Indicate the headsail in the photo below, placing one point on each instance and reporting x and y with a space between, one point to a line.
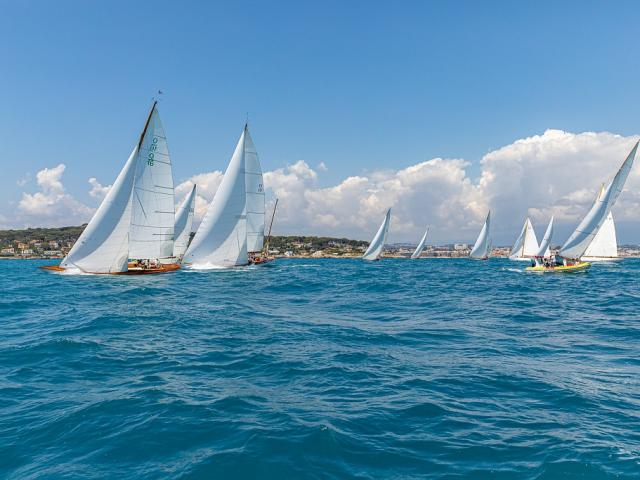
526 245
152 204
605 244
582 237
103 246
221 239
184 221
421 245
545 250
377 244
255 196
482 247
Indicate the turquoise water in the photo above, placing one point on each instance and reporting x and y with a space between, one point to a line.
322 369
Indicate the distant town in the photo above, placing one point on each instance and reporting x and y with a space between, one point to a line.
50 243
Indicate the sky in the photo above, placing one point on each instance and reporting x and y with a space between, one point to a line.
439 110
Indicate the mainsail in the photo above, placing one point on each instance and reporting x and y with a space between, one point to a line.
526 245
184 221
482 246
255 195
377 244
103 246
221 239
605 244
153 208
421 245
581 238
545 250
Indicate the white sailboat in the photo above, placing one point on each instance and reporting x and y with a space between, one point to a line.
183 224
104 245
576 246
152 203
482 247
421 245
376 246
604 245
221 240
526 245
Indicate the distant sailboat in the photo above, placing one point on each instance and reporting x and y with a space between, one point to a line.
604 245
482 247
421 245
221 240
526 245
104 245
377 244
578 243
183 224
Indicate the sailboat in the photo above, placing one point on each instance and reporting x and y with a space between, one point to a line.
234 222
578 243
604 245
183 224
482 247
526 245
421 245
376 246
104 245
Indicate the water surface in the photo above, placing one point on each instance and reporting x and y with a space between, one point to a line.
322 369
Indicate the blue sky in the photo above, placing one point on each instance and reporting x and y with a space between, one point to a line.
360 86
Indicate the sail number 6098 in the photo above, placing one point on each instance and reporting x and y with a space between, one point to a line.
152 148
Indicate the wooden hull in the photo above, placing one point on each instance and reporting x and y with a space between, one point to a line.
578 267
131 271
261 260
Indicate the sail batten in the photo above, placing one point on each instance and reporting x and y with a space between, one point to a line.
376 246
577 244
482 247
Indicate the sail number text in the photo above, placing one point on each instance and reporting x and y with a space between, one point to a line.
152 148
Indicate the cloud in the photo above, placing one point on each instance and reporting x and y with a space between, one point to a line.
97 190
555 172
52 205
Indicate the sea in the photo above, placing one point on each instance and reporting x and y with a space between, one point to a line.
322 369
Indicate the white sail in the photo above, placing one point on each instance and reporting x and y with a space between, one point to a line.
377 244
482 246
582 237
255 195
545 244
605 244
421 245
103 246
221 238
526 245
184 221
152 202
